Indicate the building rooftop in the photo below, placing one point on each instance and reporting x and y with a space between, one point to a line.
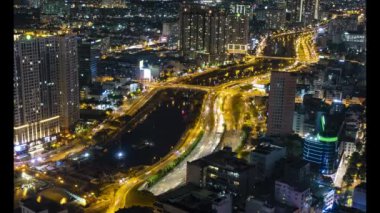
190 198
296 163
44 204
266 148
298 186
223 159
26 34
280 207
136 209
356 32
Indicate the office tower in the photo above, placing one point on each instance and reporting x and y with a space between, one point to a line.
322 151
46 95
281 103
203 32
88 56
68 81
321 147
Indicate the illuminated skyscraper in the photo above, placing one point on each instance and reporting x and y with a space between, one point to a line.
203 32
281 103
321 147
68 81
55 7
274 18
303 11
238 28
46 95
88 56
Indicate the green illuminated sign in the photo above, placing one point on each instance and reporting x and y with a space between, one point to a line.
327 139
323 123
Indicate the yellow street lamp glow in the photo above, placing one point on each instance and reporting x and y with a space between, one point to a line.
63 201
25 192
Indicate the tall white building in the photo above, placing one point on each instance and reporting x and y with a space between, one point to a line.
46 90
298 123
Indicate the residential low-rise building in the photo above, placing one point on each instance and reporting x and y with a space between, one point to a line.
264 157
295 195
222 171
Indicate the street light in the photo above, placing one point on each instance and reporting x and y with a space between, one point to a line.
120 155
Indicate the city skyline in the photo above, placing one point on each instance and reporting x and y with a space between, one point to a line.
194 106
